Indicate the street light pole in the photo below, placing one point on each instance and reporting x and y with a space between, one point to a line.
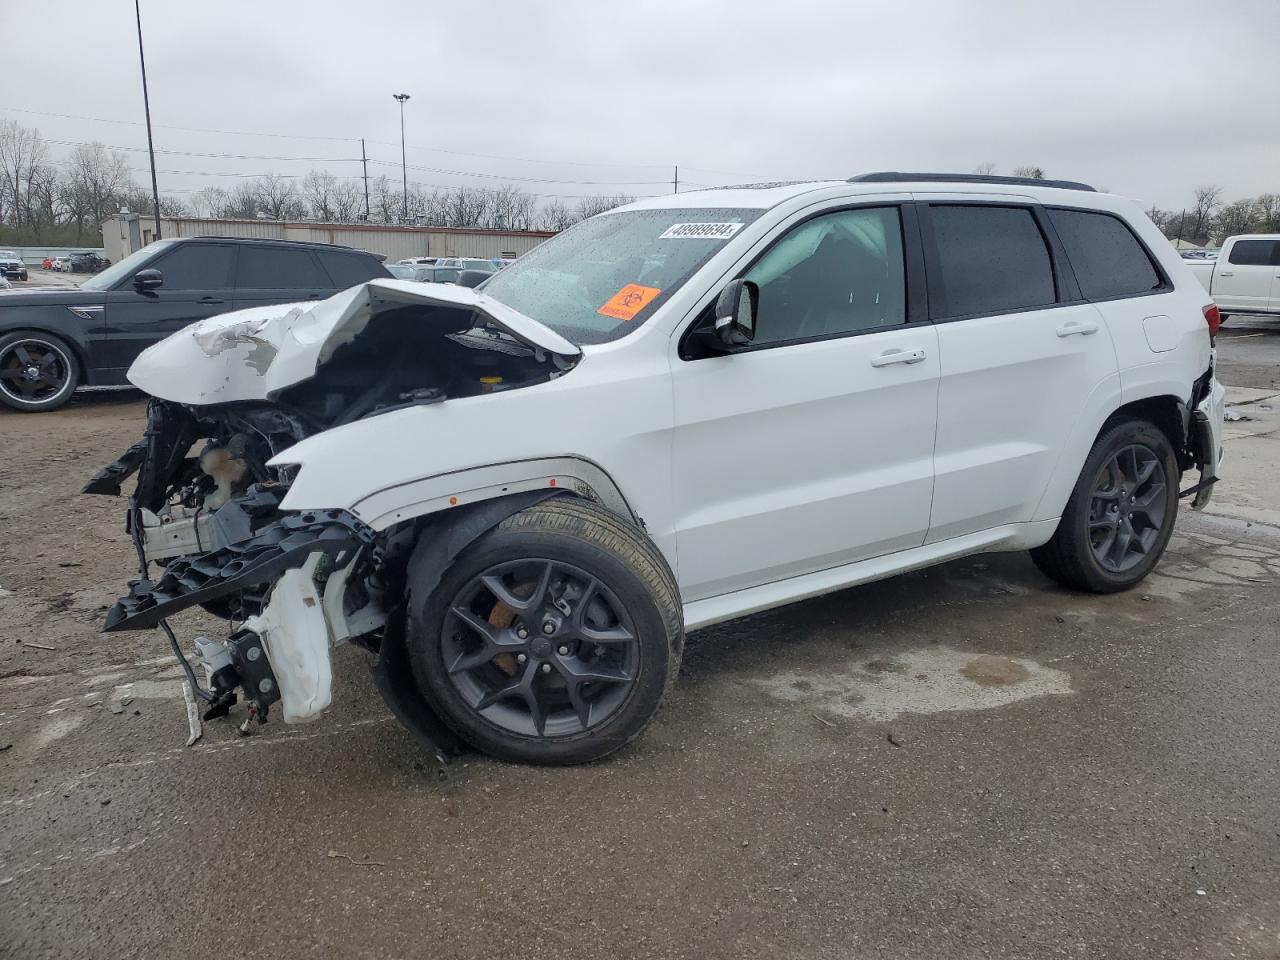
146 104
404 169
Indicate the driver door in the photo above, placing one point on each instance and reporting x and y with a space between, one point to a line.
197 284
812 447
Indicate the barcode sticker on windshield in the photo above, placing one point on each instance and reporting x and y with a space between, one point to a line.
700 231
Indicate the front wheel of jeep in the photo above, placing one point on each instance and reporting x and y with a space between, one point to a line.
552 638
1121 513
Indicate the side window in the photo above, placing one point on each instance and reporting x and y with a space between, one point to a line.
834 274
197 266
1107 258
277 268
1255 253
991 259
349 269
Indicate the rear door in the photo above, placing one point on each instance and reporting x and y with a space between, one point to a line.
349 268
1244 281
1021 355
269 273
197 284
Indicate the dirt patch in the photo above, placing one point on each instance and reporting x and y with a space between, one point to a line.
988 671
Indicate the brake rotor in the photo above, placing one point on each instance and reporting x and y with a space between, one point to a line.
501 616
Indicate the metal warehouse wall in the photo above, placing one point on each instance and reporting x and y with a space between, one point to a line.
395 243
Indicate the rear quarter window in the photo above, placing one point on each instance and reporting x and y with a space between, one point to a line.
1108 260
349 269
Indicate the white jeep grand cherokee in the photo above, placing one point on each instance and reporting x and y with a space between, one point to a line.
518 498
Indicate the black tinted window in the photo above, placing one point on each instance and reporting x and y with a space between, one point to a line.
276 268
196 266
834 274
1255 253
1107 258
992 259
349 269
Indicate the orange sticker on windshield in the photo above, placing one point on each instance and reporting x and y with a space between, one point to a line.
628 301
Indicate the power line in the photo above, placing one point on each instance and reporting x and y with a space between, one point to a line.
164 126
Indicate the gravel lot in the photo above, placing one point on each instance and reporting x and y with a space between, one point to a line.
961 762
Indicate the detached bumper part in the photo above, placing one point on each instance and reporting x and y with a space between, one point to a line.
283 545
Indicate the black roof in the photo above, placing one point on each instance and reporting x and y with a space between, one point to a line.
889 176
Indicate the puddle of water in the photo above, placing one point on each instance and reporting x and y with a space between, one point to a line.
932 680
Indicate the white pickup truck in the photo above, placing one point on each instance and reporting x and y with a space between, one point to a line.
1246 276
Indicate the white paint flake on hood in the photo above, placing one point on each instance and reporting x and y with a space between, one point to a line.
253 354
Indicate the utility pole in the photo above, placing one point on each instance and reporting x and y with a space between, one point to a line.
364 162
146 105
675 180
404 169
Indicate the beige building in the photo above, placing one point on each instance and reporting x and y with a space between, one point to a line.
125 232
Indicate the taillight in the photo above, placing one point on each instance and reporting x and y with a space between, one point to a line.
1213 318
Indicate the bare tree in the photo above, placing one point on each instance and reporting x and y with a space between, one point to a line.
985 169
100 179
1269 213
22 152
554 215
210 202
1035 173
590 206
318 188
1208 199
243 203
348 201
1235 218
278 197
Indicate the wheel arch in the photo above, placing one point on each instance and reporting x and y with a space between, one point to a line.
444 492
74 340
1166 412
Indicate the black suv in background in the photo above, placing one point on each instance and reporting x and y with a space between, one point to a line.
52 341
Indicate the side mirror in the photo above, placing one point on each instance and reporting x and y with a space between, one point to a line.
735 314
150 279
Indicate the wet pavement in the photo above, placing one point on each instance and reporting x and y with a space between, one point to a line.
966 761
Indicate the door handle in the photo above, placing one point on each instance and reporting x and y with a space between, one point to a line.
210 300
897 356
1081 327
313 296
1229 273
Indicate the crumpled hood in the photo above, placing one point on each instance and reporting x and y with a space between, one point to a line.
253 354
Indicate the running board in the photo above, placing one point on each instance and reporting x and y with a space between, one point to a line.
727 606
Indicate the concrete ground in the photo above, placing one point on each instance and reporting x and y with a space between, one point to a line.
962 762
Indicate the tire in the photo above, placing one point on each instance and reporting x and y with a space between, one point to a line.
564 543
56 379
1081 554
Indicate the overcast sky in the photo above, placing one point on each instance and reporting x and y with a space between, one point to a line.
1145 97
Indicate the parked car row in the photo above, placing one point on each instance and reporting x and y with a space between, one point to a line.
86 262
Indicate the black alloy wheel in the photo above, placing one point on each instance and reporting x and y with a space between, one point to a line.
37 372
540 648
1127 508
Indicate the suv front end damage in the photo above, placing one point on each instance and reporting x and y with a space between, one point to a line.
207 516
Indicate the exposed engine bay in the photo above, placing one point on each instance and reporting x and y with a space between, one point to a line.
206 518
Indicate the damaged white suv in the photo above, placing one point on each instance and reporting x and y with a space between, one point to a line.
518 498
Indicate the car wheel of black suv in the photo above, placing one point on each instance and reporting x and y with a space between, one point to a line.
552 638
1121 512
38 371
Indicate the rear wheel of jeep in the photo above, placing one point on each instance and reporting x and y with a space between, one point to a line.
553 638
38 371
1121 512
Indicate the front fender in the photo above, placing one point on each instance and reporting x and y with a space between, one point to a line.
417 498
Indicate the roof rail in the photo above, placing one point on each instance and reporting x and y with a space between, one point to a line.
300 243
889 176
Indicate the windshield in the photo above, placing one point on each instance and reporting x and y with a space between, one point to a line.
9 254
402 271
601 279
109 277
